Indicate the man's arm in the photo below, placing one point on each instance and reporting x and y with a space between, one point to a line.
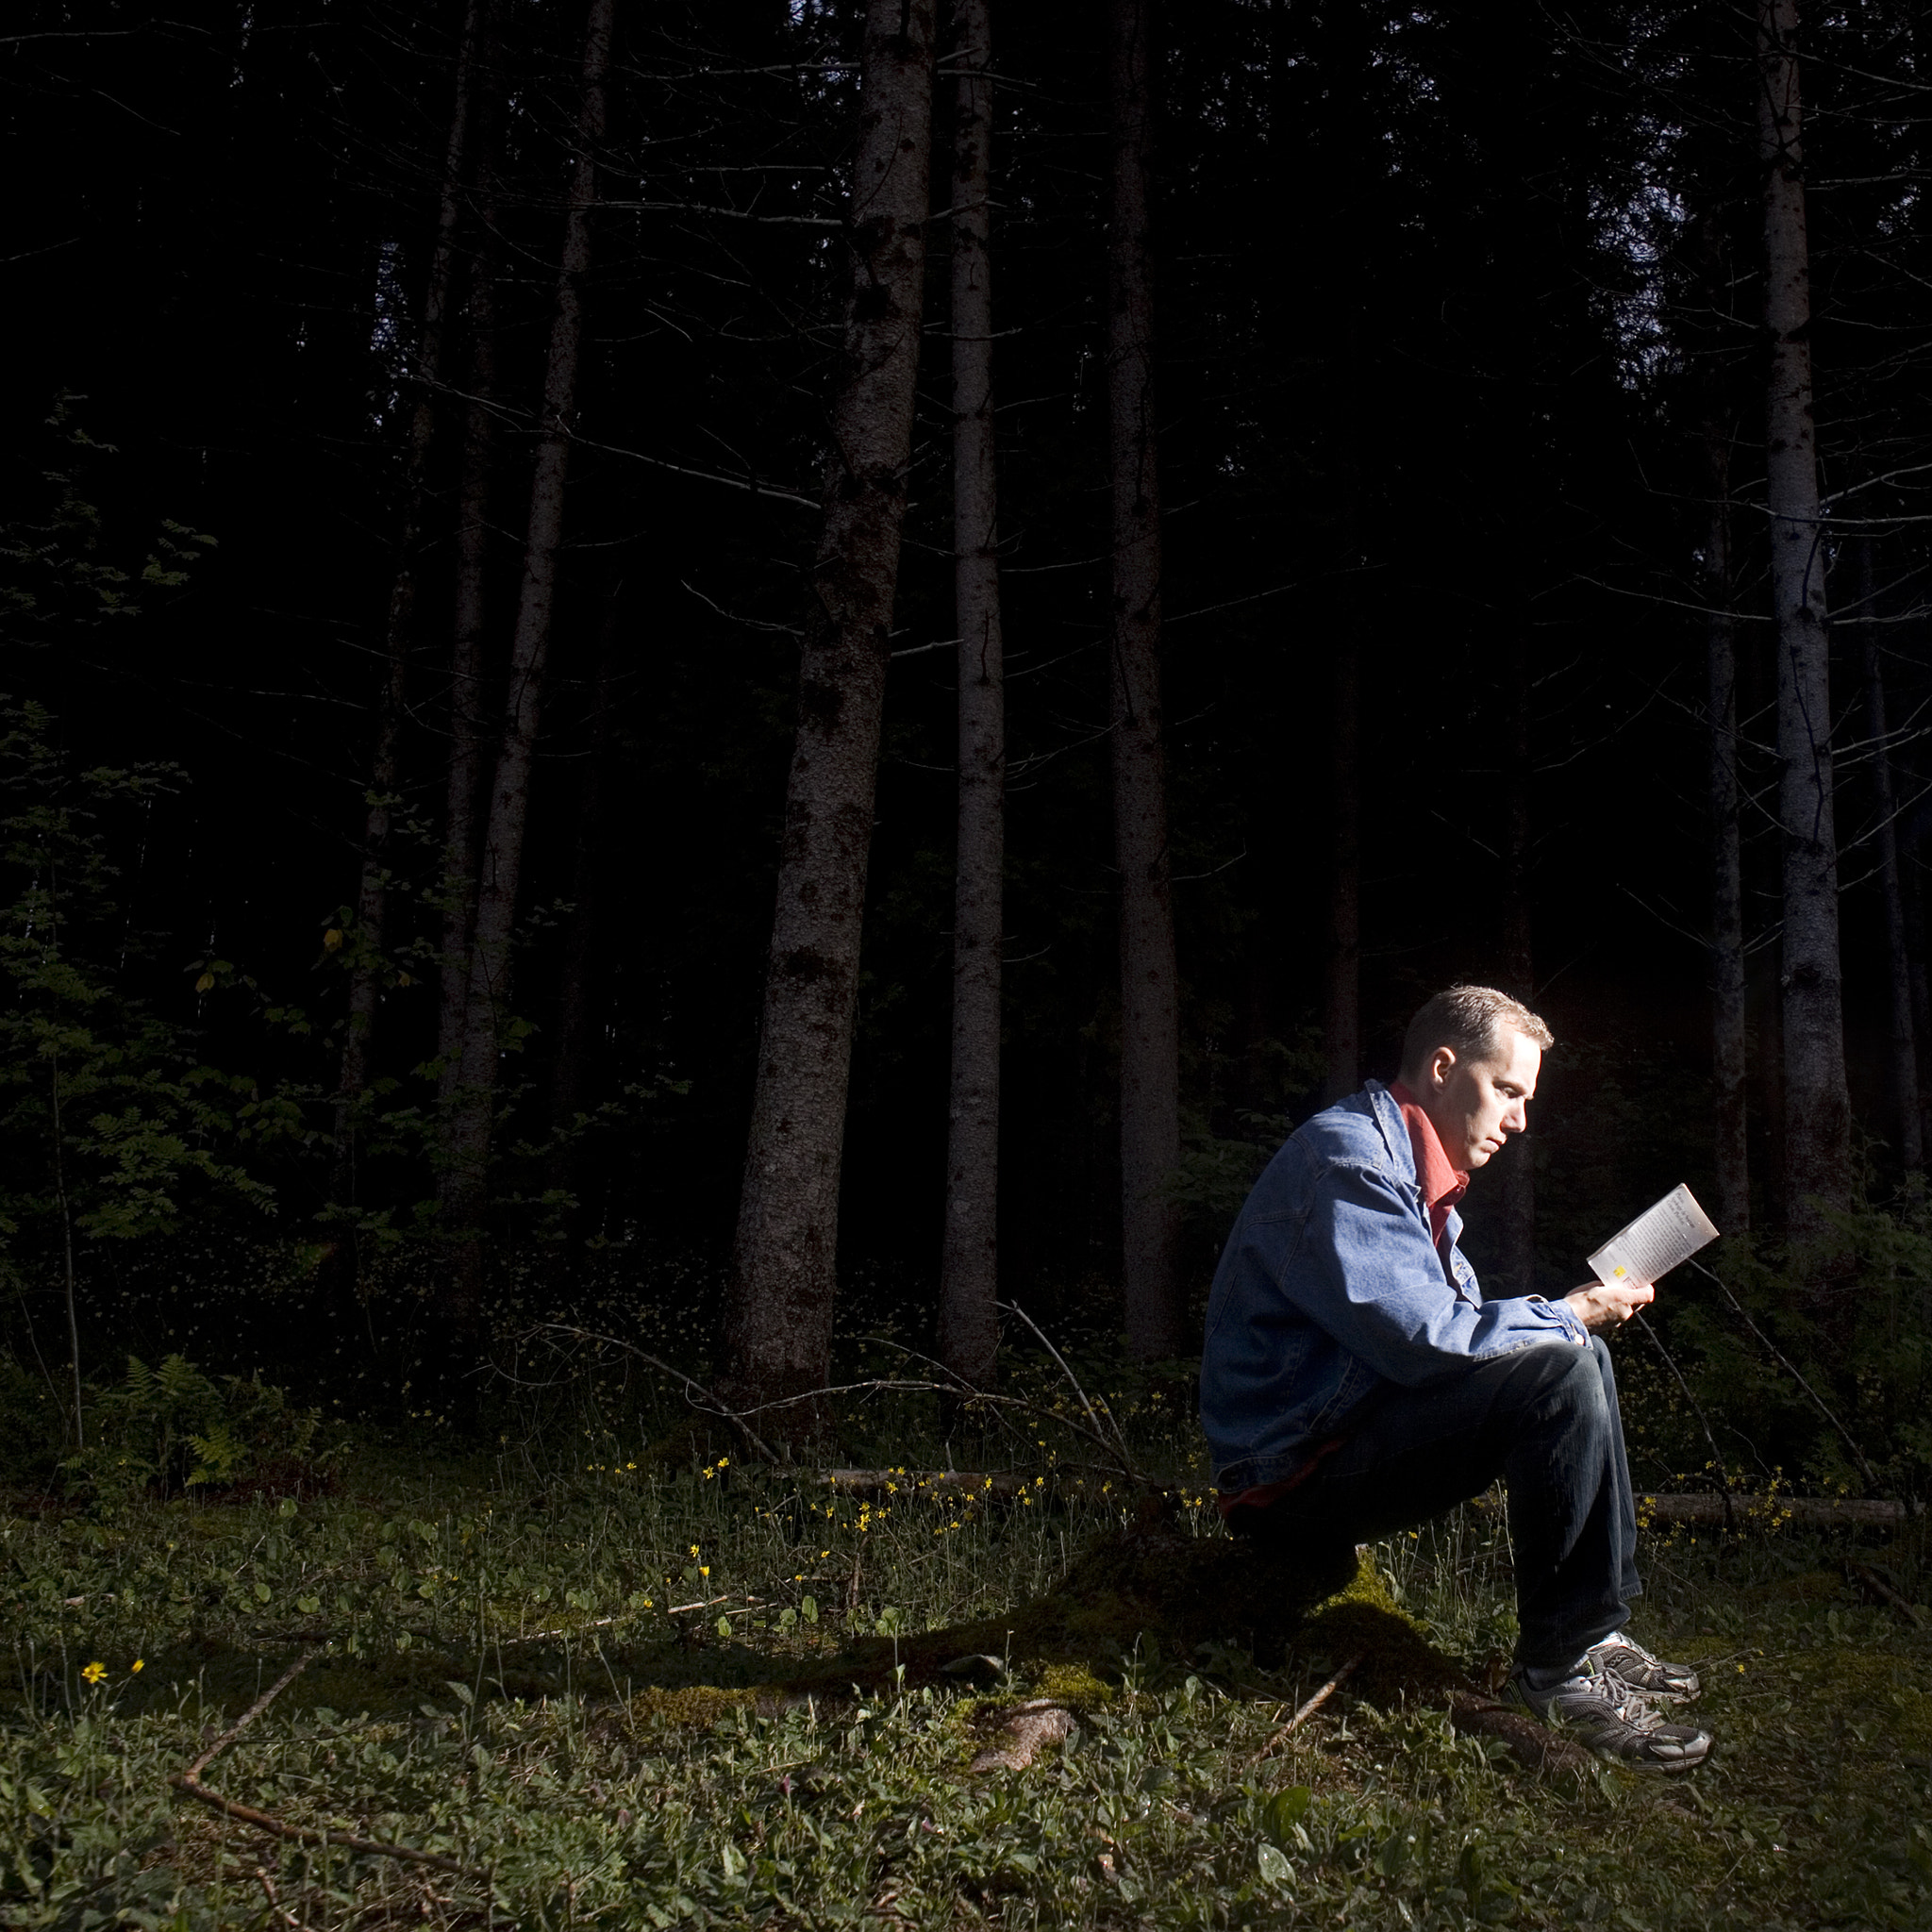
1375 1282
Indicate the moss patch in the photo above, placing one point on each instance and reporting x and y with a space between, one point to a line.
1166 1590
689 1708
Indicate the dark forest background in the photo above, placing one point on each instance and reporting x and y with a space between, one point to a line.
1461 357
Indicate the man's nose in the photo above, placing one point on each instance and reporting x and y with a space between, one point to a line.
1516 1119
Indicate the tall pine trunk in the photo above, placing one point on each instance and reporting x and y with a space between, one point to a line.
468 733
778 1325
500 870
969 1280
367 969
1727 1050
1150 1012
1341 1024
1901 1054
1516 1177
570 1067
1817 1106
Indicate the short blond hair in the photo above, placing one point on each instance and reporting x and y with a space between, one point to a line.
1472 1020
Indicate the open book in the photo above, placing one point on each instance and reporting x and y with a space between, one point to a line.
1656 1242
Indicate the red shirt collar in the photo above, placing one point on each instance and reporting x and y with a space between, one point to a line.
1442 1184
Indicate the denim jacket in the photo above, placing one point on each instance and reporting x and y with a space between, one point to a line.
1330 1288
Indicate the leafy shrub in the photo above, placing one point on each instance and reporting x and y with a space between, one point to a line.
172 1428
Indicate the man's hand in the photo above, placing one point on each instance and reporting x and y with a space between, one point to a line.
1599 1307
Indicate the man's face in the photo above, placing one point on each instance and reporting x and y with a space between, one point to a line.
1475 1105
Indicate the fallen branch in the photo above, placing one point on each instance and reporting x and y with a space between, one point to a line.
1812 1511
1879 1587
1707 1505
1309 1708
1531 1743
189 1783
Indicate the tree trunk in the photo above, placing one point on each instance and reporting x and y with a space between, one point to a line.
1516 1164
1728 1054
1818 1110
466 726
499 871
1342 1004
366 966
969 1276
570 1065
1902 1057
1150 1012
779 1322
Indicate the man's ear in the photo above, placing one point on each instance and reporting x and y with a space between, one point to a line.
1442 1063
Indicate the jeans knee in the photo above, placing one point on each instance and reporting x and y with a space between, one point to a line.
1570 1382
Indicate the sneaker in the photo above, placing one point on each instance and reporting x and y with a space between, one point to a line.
1614 1721
1660 1682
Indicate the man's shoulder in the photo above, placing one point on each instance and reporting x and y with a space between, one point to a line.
1353 1133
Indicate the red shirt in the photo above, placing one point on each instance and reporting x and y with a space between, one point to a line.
1444 1184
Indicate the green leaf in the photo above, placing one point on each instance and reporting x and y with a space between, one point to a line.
1275 1866
1286 1809
263 1592
724 1626
809 1608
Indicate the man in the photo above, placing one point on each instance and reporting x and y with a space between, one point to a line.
1354 1382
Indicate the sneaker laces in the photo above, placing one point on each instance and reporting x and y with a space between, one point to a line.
1626 1699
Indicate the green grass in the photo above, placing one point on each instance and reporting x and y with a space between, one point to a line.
497 1680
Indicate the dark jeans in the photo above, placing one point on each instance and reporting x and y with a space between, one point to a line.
1546 1422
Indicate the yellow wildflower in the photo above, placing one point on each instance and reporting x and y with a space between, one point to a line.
94 1673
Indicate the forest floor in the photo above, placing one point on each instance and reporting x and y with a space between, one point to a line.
642 1696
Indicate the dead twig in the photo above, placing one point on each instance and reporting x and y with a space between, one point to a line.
1851 1442
1309 1710
1717 1455
719 1407
189 1783
1120 1441
1879 1587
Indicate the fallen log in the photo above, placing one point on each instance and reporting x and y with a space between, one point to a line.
1769 1511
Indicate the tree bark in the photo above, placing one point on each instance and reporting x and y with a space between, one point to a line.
467 731
1817 1109
500 870
1727 1049
1341 1002
779 1320
366 965
568 1067
1516 1164
1150 1012
969 1269
1902 1057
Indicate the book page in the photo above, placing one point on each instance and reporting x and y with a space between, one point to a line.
1656 1242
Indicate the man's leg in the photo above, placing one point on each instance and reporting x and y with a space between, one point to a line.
1547 1421
1540 1418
